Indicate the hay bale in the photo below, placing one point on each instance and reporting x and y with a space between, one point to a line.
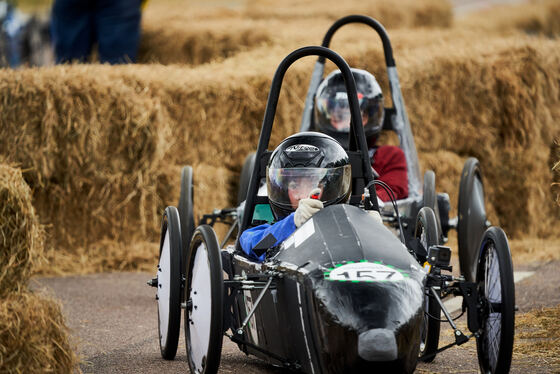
503 107
409 13
212 186
90 146
537 337
104 144
538 17
20 234
172 36
178 40
33 336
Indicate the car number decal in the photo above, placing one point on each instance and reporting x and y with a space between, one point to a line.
365 272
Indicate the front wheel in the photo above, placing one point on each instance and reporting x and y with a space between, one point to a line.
426 232
204 302
497 292
169 284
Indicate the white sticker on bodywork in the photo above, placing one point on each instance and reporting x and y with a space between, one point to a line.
364 272
288 242
304 232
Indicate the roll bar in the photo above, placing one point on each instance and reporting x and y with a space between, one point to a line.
398 117
357 136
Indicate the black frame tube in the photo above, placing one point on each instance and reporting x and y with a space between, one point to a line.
357 135
387 49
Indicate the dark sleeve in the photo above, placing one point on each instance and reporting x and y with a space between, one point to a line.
389 161
281 230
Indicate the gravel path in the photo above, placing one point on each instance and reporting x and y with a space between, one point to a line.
114 322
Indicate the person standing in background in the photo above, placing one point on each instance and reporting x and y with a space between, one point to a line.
76 25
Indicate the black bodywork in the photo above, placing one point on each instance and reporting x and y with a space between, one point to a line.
311 322
305 320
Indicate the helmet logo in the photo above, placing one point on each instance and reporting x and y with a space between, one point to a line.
302 148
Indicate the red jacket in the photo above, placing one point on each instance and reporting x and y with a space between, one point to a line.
389 162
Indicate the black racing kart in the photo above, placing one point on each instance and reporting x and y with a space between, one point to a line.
342 294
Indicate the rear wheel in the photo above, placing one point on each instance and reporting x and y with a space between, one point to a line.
496 288
430 196
427 233
472 217
204 302
169 284
185 208
245 177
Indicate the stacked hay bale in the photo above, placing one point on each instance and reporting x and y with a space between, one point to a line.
20 237
172 36
538 338
538 17
409 13
104 145
33 336
504 107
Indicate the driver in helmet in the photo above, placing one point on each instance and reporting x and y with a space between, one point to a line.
305 173
332 116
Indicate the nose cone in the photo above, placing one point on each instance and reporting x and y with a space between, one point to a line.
377 345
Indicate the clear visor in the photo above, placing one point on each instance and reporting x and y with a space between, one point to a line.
338 111
287 186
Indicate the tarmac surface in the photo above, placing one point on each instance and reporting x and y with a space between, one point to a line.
113 319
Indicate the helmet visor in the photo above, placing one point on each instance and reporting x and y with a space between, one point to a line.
334 112
286 186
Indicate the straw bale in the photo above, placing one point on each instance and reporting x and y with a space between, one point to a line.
176 40
213 187
171 35
541 17
33 336
503 106
538 337
532 249
90 145
436 13
104 144
20 234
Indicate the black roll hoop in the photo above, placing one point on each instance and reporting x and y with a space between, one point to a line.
357 136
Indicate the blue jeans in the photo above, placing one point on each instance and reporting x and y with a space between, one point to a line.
114 24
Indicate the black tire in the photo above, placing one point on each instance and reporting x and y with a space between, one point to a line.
185 208
496 287
427 232
169 284
245 177
472 217
204 295
429 197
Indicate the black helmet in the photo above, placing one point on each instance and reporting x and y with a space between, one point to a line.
303 162
332 109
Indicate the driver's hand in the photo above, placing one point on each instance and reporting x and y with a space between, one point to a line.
307 208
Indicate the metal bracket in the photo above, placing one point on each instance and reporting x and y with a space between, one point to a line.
252 311
460 338
474 306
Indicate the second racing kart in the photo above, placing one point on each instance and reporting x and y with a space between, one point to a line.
342 294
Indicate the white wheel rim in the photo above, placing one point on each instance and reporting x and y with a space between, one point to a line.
493 292
200 314
164 281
